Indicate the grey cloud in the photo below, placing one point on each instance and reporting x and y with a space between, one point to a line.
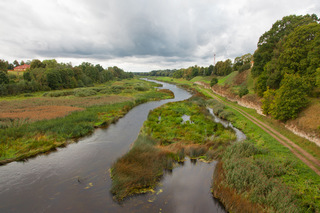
139 33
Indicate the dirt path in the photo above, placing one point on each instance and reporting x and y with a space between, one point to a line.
307 158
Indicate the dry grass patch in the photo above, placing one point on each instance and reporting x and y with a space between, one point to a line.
39 112
309 119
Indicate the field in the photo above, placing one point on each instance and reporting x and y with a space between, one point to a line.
44 121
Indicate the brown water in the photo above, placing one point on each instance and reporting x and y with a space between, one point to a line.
76 178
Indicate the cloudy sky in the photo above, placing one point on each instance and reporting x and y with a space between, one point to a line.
139 35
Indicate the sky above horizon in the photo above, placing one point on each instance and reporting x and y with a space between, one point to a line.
139 35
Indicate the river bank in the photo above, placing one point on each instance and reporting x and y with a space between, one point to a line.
26 134
255 168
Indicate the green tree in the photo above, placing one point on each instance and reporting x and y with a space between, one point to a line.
301 51
269 40
267 101
16 63
243 90
291 97
213 82
36 63
4 79
3 65
53 78
210 70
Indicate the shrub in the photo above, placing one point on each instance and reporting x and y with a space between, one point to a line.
243 91
58 93
213 82
84 92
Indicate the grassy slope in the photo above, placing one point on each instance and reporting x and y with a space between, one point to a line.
303 181
28 139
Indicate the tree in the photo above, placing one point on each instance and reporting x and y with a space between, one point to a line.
213 82
243 90
53 79
291 97
223 68
16 63
267 101
269 40
36 63
210 70
4 79
242 63
301 51
3 65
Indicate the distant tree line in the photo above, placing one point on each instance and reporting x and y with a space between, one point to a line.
51 75
222 68
287 65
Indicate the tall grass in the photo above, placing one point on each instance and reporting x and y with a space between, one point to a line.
164 140
140 169
28 139
254 177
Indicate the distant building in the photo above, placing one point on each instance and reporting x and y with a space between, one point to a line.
21 68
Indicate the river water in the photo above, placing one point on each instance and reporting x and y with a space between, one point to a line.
76 178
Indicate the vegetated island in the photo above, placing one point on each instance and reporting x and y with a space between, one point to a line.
171 132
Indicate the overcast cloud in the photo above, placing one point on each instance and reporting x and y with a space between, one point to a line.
139 35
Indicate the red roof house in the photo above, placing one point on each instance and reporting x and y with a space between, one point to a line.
22 67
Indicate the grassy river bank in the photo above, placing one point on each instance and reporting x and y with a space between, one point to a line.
40 122
260 174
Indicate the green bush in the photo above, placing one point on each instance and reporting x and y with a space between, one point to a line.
243 91
213 82
58 93
84 92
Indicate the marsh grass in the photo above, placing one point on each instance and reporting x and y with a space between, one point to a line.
255 178
20 139
140 169
165 142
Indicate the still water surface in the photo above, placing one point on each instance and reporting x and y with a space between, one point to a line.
76 178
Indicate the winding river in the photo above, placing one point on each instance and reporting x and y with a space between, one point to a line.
76 178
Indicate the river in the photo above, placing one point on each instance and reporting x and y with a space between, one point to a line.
76 178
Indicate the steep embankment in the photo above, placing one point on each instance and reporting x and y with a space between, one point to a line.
307 158
306 125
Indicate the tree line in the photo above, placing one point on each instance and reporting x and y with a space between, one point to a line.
50 75
221 68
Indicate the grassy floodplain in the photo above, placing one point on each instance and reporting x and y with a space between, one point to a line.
170 133
35 123
261 175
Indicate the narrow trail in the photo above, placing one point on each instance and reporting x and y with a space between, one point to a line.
304 156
